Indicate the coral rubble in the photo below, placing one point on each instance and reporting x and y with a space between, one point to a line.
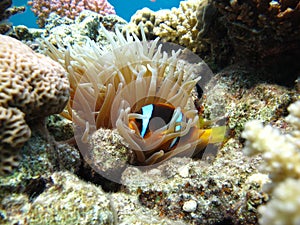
63 198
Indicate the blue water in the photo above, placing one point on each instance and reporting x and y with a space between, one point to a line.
124 8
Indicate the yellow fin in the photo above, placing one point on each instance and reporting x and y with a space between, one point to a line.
217 134
203 123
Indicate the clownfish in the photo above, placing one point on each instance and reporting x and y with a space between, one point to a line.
156 116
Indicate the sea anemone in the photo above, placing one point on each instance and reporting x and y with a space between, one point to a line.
141 88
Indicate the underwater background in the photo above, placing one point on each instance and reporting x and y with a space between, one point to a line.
124 9
223 149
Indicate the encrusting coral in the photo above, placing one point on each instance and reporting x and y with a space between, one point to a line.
32 86
86 24
110 88
262 27
281 155
70 8
258 32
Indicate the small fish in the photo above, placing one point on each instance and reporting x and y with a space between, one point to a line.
148 124
152 0
155 116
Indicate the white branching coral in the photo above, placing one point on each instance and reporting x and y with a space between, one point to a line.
284 208
281 160
281 154
177 25
294 119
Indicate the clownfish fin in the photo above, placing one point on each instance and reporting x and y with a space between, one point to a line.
217 134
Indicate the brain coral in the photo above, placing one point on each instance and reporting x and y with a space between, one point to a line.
69 8
110 87
13 133
31 86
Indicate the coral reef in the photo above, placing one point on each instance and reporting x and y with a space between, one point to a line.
227 190
63 198
264 33
261 28
216 197
255 32
270 142
86 24
71 8
284 206
68 31
226 186
7 11
281 160
192 25
60 128
177 25
32 86
245 98
41 155
109 160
